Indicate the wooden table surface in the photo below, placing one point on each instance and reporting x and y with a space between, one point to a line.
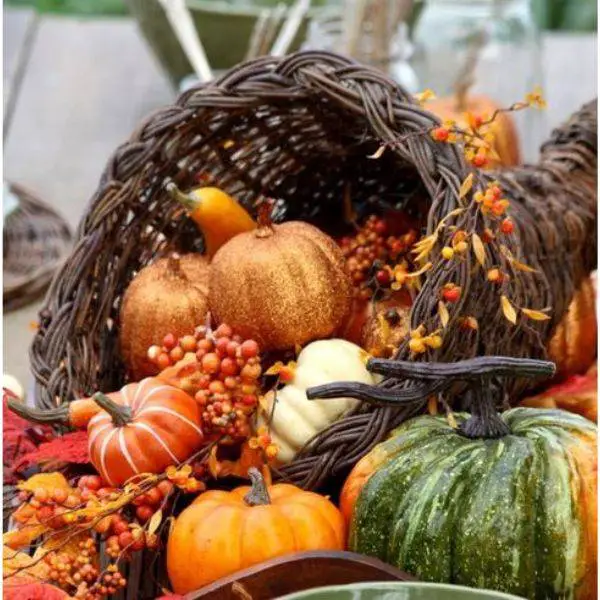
76 88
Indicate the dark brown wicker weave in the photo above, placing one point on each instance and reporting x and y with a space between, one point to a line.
302 128
36 240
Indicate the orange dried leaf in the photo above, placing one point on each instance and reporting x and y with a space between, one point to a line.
48 481
432 406
478 249
443 313
466 186
519 266
535 315
508 310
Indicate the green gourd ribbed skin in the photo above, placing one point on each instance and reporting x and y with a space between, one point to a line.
499 514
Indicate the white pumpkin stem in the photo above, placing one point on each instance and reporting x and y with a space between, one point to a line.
259 494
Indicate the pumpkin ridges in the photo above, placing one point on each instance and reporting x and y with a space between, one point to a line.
499 533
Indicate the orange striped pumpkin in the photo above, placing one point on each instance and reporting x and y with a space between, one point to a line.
143 428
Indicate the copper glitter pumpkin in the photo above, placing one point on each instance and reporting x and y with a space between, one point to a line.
168 296
281 285
573 345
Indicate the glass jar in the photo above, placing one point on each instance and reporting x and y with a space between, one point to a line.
491 48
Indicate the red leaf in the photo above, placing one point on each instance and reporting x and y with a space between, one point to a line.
23 588
69 448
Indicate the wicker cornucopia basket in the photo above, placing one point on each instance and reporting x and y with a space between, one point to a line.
304 130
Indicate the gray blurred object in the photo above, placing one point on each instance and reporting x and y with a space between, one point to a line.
224 26
375 32
36 240
508 61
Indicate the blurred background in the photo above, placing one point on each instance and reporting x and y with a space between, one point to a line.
79 75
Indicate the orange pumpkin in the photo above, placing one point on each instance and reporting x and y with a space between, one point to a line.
144 428
506 141
578 394
573 345
223 532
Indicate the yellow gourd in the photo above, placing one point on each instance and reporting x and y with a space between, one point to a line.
218 216
296 419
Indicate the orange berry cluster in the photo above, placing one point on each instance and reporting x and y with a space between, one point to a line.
185 479
419 342
52 508
231 369
369 251
492 202
107 583
263 440
81 572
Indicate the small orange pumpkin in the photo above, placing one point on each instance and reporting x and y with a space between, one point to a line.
144 428
223 532
506 141
578 394
573 345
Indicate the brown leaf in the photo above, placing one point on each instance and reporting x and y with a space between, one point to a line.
443 313
535 315
432 406
519 266
466 186
509 310
478 249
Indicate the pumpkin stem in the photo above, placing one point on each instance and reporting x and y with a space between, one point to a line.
174 264
43 417
186 200
121 415
265 224
485 421
259 494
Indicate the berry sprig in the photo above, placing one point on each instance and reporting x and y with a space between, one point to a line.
229 370
371 252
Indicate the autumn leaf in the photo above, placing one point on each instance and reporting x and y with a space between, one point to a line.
48 481
15 561
423 247
451 420
432 406
155 521
478 249
535 315
378 153
519 266
443 313
509 310
466 186
425 95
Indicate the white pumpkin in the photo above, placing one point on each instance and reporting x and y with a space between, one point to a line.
296 419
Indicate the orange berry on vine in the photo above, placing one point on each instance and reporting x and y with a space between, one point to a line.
169 341
494 275
211 363
507 226
480 160
383 277
440 134
451 293
250 349
143 513
417 345
163 361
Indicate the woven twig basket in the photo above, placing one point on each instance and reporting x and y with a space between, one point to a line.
36 240
303 128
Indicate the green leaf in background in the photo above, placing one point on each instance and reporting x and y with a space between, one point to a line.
565 15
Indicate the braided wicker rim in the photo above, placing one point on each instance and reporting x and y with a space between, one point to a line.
36 240
302 128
